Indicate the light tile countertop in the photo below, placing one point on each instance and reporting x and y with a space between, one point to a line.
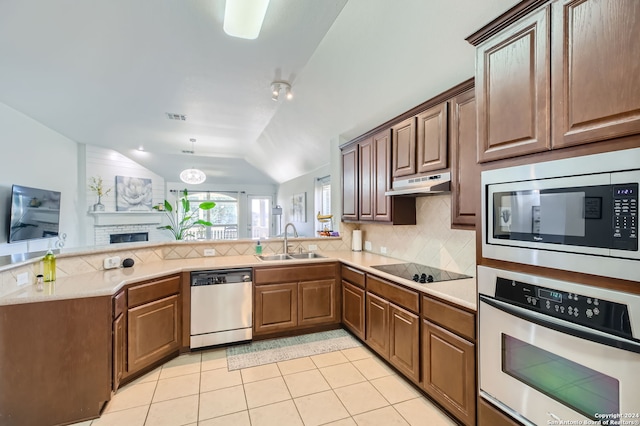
106 283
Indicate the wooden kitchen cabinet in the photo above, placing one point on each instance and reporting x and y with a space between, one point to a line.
404 341
153 332
296 297
448 363
316 302
465 170
403 150
366 179
595 92
513 89
377 330
353 300
381 179
350 183
119 338
562 75
431 141
276 307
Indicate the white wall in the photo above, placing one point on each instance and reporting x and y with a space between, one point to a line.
306 184
34 155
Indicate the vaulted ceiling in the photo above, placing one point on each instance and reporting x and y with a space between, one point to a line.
107 72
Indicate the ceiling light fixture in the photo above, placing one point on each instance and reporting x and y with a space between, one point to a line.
243 18
193 176
277 87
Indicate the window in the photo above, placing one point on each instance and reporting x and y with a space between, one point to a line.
224 216
323 203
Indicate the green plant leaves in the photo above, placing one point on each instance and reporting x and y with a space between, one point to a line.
189 219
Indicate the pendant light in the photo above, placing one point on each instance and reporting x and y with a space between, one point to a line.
192 176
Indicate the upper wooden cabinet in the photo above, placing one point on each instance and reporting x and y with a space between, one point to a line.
420 142
404 148
465 170
432 139
562 75
513 90
350 183
595 69
366 167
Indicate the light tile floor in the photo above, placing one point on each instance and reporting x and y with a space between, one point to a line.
348 387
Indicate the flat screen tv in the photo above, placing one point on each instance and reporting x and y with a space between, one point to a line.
35 214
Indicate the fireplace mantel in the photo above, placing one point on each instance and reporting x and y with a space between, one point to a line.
126 218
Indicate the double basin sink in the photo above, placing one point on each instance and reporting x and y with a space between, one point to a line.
292 256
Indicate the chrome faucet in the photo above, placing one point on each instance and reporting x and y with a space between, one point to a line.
286 240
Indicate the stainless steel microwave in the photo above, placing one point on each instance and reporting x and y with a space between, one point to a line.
578 214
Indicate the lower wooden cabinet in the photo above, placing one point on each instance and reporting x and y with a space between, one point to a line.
153 332
287 298
404 341
119 349
353 308
448 363
488 415
377 335
276 307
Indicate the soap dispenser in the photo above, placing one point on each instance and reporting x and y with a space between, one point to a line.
258 248
49 263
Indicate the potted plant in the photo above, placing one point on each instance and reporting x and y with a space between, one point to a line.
95 185
183 219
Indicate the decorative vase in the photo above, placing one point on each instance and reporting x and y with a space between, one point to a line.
98 207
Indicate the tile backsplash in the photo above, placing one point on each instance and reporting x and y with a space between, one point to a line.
431 241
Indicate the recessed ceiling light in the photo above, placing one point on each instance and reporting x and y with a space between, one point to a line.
243 18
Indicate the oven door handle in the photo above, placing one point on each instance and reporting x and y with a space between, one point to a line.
563 326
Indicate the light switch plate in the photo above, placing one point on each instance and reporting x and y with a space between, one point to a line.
383 250
22 278
210 252
367 245
313 247
111 262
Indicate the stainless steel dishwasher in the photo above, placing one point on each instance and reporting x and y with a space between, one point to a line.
221 307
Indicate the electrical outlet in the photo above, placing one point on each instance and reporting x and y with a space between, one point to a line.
111 262
367 245
383 250
313 247
22 278
210 252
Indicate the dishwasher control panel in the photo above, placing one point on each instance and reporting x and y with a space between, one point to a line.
222 276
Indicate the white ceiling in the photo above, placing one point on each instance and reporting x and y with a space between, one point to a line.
105 72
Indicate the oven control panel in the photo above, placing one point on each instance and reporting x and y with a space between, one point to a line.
598 314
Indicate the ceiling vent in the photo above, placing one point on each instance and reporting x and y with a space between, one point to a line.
179 117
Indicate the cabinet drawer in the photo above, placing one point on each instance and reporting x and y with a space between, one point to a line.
153 290
353 276
119 303
294 273
400 296
454 319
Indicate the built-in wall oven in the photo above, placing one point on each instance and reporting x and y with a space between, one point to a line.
553 351
578 214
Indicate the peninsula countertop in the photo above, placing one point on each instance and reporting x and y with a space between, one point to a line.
107 282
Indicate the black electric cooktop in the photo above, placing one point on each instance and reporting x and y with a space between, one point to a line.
419 273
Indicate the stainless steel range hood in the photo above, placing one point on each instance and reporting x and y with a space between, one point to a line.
422 185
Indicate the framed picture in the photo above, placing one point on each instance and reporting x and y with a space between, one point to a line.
299 207
133 194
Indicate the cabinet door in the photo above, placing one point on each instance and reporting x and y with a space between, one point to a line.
403 150
404 341
382 176
353 309
432 139
317 302
448 365
595 69
276 307
350 183
513 90
465 170
366 179
377 332
153 332
119 350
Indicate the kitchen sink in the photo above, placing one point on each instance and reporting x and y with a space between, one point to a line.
272 257
306 256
